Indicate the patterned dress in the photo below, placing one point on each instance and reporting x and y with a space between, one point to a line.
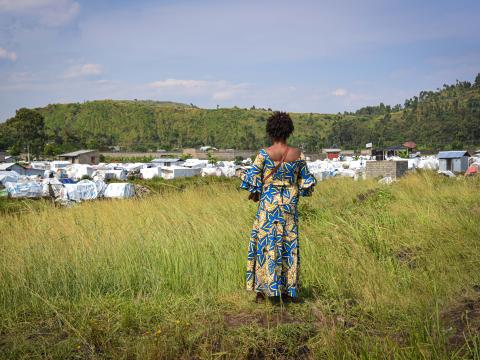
273 254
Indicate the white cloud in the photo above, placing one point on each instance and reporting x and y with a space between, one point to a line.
178 83
340 92
83 70
7 55
46 12
219 90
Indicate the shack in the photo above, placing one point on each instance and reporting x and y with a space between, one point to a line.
90 157
165 161
454 161
393 169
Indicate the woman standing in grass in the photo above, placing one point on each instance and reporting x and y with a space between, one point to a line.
277 178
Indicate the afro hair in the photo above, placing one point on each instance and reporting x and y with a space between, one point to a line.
279 125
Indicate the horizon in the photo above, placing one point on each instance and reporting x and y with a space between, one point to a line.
319 57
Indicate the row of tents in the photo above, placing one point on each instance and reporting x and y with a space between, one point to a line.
77 182
63 191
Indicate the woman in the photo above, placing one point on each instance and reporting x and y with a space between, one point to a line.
279 176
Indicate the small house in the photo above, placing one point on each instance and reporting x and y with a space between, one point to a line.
393 169
394 150
454 161
165 161
90 157
332 153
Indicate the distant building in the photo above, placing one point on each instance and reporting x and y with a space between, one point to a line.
174 172
166 161
454 161
394 150
332 153
90 157
382 154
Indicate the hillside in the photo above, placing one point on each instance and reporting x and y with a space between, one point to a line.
446 118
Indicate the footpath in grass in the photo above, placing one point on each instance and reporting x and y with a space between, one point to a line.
387 272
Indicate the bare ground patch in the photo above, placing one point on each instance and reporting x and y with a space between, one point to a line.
243 318
462 321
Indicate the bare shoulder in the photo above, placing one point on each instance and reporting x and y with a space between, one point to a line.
293 154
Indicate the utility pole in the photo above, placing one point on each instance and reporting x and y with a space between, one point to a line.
28 153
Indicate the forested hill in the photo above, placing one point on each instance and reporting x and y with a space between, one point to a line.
446 118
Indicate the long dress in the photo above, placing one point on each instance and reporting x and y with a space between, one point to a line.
273 263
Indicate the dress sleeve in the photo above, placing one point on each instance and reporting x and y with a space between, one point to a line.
252 178
306 181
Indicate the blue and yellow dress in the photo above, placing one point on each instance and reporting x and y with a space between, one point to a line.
273 254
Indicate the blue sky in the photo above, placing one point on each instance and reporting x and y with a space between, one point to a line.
308 56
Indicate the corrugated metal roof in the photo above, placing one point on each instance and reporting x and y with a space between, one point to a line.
165 160
76 153
452 154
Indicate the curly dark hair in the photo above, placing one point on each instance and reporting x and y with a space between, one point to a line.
279 125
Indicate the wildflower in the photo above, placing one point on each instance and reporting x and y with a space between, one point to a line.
158 332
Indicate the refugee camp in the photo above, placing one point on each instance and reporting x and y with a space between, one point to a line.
239 180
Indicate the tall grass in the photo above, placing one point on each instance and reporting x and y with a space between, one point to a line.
163 277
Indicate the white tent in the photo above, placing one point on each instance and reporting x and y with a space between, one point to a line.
9 176
24 189
119 190
77 171
173 172
83 190
150 173
57 187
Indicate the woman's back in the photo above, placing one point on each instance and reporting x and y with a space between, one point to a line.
276 153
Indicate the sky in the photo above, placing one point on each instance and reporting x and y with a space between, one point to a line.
299 56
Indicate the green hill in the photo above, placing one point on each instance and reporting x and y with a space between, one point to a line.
446 118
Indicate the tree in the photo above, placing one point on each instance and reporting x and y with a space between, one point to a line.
28 131
238 160
477 81
211 159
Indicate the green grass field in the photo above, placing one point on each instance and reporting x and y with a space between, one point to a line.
387 272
